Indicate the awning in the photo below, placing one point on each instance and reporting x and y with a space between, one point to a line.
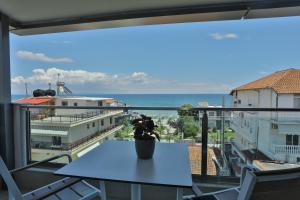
34 17
44 132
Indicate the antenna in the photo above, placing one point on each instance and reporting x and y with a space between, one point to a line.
61 87
26 89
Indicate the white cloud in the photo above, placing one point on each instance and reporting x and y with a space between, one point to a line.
82 81
140 77
42 57
62 42
220 36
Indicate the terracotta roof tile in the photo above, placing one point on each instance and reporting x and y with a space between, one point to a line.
282 82
34 100
195 160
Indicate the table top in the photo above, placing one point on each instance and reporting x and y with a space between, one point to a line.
117 161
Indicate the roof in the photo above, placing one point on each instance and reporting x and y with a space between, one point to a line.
253 154
85 98
35 100
35 17
195 159
272 165
282 82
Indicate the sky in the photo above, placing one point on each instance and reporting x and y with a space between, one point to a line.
204 57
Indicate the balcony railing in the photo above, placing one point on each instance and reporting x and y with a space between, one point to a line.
212 143
287 149
71 118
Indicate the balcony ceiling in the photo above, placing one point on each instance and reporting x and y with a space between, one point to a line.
41 16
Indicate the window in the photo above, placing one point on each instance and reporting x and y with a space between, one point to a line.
56 141
295 140
100 103
239 101
211 114
75 104
88 126
292 140
297 101
64 103
102 122
93 124
111 120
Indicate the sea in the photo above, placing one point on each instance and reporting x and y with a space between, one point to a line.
164 100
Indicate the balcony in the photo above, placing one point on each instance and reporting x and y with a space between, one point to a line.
220 171
18 134
287 149
287 153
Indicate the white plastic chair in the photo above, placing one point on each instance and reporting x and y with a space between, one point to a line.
267 185
66 188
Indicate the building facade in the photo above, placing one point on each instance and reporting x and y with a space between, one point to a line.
73 131
273 135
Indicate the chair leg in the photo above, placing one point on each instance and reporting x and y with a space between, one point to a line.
135 192
179 194
103 191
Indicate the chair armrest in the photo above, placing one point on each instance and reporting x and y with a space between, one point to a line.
41 162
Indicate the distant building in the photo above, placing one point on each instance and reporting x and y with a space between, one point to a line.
72 131
268 135
215 117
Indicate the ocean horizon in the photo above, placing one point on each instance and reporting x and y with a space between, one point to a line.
159 99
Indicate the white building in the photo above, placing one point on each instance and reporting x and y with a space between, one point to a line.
215 117
273 135
71 131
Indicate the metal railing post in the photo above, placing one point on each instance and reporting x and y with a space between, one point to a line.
28 135
204 144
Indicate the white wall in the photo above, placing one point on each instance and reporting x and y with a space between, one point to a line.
81 131
287 101
80 102
248 98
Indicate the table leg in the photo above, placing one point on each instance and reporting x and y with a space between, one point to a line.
135 192
179 193
103 191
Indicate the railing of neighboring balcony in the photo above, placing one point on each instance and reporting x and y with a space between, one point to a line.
222 146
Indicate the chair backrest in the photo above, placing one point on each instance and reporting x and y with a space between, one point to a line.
271 185
13 189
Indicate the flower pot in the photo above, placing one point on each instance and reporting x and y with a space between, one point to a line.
144 148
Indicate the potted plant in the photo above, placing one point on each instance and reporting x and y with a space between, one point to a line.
144 136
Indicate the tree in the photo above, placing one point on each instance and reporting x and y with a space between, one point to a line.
160 129
188 126
125 131
186 110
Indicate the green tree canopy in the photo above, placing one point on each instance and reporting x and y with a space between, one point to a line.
186 110
188 126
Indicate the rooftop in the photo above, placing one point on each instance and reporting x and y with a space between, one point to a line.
84 98
282 82
35 100
46 99
195 160
271 165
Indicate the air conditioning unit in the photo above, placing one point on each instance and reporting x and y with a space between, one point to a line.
274 126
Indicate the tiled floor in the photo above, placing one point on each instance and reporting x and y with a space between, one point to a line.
3 195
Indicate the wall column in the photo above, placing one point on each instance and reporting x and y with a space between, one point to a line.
6 124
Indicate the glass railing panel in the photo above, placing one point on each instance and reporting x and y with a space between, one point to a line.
235 139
